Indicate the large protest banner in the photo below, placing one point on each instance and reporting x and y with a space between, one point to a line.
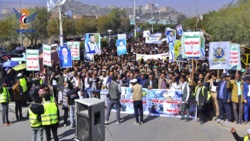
153 38
64 56
156 102
32 60
219 55
47 55
166 102
234 61
154 56
74 49
192 44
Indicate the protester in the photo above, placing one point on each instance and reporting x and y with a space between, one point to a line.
4 100
71 96
185 98
238 138
114 89
34 115
17 91
50 118
137 101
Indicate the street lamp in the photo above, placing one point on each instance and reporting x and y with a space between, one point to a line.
109 31
197 21
134 18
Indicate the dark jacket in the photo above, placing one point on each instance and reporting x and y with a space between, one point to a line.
237 137
226 91
154 83
36 109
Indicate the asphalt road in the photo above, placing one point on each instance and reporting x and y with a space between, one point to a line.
154 129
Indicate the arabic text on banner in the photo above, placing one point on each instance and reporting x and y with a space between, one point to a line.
153 38
74 49
191 41
47 55
234 61
32 60
219 54
154 57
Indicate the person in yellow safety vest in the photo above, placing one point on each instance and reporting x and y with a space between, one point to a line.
238 138
50 117
4 100
201 99
34 114
24 85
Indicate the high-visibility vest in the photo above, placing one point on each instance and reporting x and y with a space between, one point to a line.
202 89
4 96
246 138
23 84
41 81
49 117
33 120
52 99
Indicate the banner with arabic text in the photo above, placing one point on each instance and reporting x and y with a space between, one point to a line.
32 60
192 44
74 49
152 56
153 38
234 61
47 55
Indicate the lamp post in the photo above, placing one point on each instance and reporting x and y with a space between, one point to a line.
109 31
60 24
134 18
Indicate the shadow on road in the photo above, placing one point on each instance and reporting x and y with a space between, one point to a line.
149 118
66 133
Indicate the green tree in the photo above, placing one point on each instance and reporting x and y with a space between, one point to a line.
85 25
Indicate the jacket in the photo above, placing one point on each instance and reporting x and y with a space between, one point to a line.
245 90
167 82
137 92
238 138
36 109
154 83
233 85
226 91
17 91
202 96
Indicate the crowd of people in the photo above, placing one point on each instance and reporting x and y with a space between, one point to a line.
103 78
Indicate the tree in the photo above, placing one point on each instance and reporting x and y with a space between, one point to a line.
68 27
85 25
39 24
8 30
103 24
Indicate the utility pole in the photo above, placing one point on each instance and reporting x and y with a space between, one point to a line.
135 18
60 24
152 20
21 39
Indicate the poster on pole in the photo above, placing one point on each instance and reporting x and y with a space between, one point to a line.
47 55
64 56
219 54
179 29
32 60
171 52
192 44
234 60
74 49
146 57
92 43
170 35
121 46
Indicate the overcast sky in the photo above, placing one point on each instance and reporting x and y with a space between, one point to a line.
187 7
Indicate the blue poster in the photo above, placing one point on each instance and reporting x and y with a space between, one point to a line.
64 56
121 46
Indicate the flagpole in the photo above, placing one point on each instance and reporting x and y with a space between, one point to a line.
21 40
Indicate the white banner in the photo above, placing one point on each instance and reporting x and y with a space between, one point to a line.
18 59
234 61
153 38
47 55
74 49
192 45
219 55
32 60
155 56
121 36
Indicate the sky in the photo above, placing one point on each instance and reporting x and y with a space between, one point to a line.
187 7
